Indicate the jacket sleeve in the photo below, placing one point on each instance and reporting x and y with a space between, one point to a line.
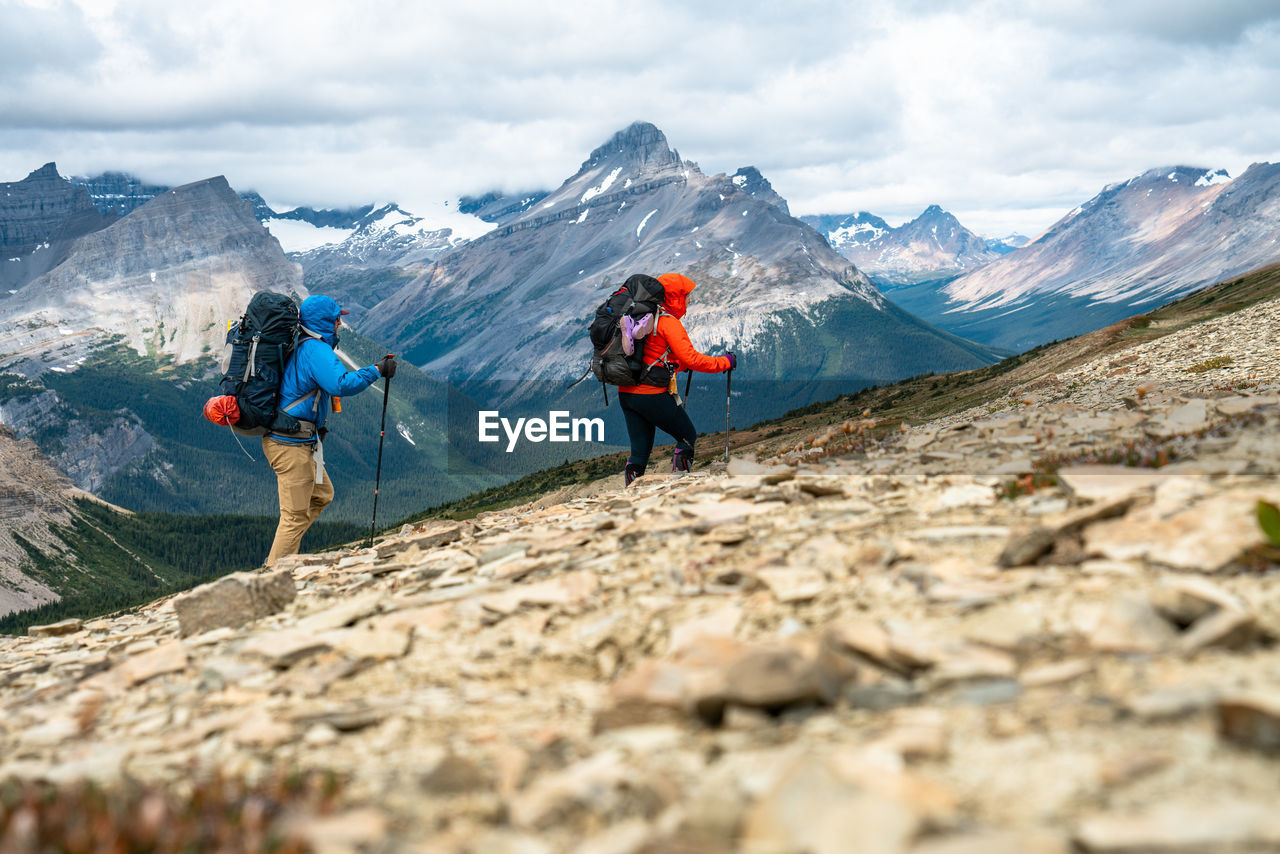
332 376
683 352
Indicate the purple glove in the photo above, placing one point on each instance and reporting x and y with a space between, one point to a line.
733 360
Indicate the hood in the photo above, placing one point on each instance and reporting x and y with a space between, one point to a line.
677 288
318 313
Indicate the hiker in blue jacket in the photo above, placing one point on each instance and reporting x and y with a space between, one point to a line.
312 377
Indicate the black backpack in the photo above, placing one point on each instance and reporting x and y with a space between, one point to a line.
638 296
257 349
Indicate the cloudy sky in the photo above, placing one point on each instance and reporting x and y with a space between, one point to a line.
1005 116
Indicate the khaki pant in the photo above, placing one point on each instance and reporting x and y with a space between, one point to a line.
301 498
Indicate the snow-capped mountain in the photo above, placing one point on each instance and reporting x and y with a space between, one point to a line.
1135 245
505 315
932 246
382 250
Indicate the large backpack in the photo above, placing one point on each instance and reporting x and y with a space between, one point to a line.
258 347
618 329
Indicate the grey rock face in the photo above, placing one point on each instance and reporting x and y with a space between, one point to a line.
498 207
32 210
118 193
750 181
233 601
40 218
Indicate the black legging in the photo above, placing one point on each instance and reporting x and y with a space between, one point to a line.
644 413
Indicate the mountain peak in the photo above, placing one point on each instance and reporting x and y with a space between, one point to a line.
640 142
750 181
1188 175
49 170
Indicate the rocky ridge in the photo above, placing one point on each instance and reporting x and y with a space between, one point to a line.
911 647
33 495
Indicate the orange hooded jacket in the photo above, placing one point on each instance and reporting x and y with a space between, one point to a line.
670 337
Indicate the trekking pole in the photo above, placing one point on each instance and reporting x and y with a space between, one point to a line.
688 381
728 385
382 434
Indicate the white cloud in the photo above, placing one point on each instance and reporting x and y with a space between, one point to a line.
1003 112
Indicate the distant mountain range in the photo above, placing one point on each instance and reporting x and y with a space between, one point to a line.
117 293
355 254
1136 245
503 317
106 359
932 246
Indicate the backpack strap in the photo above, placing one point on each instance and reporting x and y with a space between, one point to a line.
250 365
312 397
649 366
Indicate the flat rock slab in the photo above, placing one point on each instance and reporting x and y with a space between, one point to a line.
1178 828
1097 483
64 627
1202 538
166 658
233 601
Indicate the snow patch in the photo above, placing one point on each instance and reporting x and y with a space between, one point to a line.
298 236
585 211
404 431
1219 177
592 192
644 222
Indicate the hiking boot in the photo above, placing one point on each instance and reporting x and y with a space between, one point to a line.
630 473
682 460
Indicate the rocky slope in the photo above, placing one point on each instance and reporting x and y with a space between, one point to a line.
498 207
1135 245
932 246
33 496
504 316
889 646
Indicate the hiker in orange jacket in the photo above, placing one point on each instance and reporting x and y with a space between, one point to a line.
654 404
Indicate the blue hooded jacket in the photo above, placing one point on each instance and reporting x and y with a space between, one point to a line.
314 373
